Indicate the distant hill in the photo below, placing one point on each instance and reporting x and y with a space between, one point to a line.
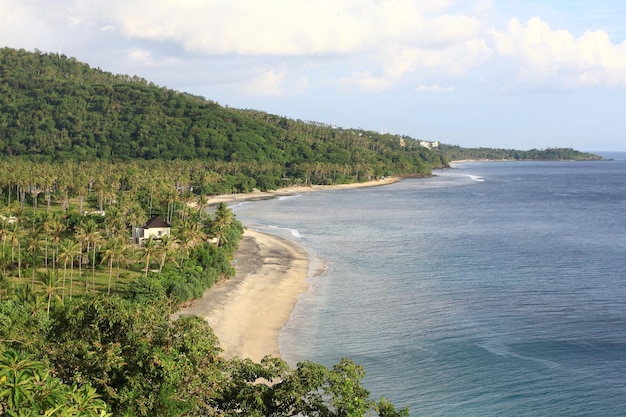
457 153
55 108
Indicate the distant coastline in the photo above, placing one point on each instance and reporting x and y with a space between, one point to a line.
294 190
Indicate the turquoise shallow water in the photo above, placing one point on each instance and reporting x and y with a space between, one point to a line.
494 288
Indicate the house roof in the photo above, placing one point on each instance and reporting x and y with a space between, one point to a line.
156 222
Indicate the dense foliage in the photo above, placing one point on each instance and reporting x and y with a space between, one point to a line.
456 153
105 356
54 108
85 314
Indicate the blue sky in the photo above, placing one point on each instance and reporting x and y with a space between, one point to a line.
496 73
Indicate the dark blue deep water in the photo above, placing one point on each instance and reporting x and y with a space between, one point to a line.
492 289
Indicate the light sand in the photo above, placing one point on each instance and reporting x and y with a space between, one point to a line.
248 311
264 195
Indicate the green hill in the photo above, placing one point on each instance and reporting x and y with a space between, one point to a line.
456 153
55 108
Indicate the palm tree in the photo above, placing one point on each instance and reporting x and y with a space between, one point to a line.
56 230
114 221
25 296
4 236
82 181
151 248
191 234
96 241
50 282
222 221
69 249
170 244
112 251
50 175
43 220
16 233
66 183
33 244
88 235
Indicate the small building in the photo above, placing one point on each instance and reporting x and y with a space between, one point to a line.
155 228
101 213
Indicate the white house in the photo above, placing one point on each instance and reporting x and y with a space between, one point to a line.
155 228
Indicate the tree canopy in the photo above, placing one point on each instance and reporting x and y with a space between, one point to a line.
55 108
457 153
88 156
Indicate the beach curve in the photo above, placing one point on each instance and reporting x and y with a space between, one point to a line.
248 311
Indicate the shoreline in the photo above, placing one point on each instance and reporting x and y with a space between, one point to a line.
248 311
293 190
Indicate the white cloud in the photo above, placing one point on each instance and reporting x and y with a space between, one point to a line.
548 57
366 81
434 88
13 31
141 55
372 45
382 42
415 65
286 27
145 58
301 85
268 83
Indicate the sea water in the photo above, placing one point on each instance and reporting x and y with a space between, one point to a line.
490 289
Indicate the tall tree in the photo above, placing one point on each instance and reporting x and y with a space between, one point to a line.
33 244
50 282
222 220
170 246
151 248
88 235
112 251
190 234
68 251
16 234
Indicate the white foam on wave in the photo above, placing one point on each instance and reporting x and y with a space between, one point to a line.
500 349
294 232
288 197
476 178
472 177
239 204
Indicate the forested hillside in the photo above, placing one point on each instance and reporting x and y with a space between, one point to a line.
85 309
53 108
85 325
456 153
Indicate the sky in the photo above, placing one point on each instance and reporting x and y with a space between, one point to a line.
516 74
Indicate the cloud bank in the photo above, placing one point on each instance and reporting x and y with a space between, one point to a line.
285 47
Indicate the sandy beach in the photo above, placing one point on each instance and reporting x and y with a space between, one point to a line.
264 195
248 311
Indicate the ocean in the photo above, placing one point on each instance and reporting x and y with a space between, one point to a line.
490 289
